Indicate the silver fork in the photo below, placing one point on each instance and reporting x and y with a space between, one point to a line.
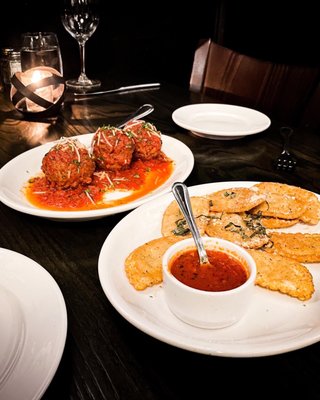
286 161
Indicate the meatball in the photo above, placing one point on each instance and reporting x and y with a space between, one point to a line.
146 137
112 148
68 164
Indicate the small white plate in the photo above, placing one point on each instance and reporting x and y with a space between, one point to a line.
220 121
16 173
33 327
275 323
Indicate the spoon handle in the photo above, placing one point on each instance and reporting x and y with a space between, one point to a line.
141 112
181 194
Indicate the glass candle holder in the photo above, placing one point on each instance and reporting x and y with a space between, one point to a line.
37 91
40 49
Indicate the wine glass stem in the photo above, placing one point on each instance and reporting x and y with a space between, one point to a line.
83 76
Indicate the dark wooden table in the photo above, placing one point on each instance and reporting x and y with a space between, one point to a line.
105 357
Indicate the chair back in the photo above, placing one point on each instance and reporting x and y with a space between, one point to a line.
282 91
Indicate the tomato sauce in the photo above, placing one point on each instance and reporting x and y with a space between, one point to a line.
224 273
140 179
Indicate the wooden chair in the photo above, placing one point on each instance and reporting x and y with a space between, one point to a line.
279 90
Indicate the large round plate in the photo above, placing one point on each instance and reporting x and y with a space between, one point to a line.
33 327
220 121
275 323
15 174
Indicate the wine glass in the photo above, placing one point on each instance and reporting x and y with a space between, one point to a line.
80 18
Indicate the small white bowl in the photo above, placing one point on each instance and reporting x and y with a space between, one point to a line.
207 309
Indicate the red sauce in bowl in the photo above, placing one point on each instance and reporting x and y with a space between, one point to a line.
225 272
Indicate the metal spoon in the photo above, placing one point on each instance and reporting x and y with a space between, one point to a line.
141 112
181 194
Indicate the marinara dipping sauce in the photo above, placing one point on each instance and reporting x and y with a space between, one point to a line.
225 272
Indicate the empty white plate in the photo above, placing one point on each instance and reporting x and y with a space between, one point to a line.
33 327
220 121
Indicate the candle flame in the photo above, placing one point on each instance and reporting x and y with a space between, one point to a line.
36 76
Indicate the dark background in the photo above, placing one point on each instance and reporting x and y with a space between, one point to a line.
155 41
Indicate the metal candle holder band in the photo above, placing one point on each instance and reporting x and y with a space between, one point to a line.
40 98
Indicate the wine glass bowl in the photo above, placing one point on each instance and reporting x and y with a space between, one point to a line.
80 18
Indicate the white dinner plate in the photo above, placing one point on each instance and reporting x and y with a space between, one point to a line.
15 174
275 323
220 121
33 327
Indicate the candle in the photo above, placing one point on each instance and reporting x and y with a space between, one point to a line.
44 92
38 90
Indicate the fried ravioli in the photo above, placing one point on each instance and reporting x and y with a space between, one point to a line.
235 200
284 275
312 213
280 206
240 229
302 247
143 266
174 223
277 223
306 200
249 218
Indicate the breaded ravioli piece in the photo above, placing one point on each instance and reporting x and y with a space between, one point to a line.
238 228
277 223
174 223
280 206
302 247
234 200
311 215
284 275
309 200
143 266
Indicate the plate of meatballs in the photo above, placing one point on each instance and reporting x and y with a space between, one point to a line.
91 176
